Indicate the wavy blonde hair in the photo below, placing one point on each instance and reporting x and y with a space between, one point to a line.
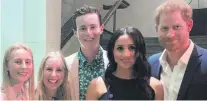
174 5
64 87
6 78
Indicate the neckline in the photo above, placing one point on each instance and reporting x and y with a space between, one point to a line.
121 79
17 95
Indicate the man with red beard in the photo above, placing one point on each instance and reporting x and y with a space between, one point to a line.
182 66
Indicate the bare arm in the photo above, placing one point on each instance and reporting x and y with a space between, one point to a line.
158 88
91 91
96 89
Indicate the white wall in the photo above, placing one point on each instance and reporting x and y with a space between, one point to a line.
36 23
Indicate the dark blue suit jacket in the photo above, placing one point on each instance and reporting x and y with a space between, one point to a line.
194 83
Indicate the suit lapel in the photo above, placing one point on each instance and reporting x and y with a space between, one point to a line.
105 58
191 68
75 76
158 70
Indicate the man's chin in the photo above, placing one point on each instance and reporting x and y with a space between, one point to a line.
90 46
172 49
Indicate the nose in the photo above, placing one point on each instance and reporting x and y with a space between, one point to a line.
171 33
127 53
90 33
53 73
23 65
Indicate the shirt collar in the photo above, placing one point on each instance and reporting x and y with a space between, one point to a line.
162 59
184 58
97 57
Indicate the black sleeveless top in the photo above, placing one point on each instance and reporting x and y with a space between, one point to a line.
124 89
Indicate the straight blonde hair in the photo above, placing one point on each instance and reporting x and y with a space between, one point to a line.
64 87
29 84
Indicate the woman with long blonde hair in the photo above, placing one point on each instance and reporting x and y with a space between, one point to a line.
18 74
53 78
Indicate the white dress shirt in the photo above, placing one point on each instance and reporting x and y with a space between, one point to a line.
172 79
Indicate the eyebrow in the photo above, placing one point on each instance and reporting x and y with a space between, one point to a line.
82 26
89 25
164 26
46 66
128 45
60 67
118 46
28 59
22 59
92 24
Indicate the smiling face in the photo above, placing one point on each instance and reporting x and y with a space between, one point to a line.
20 66
124 51
173 31
88 30
53 73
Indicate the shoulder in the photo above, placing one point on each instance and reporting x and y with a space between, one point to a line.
97 82
155 83
202 51
154 58
154 63
96 89
3 94
203 58
202 54
71 57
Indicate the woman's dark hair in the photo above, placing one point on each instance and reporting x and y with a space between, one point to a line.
141 68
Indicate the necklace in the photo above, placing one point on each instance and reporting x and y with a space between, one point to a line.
17 94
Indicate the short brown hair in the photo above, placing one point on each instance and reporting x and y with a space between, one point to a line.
85 10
